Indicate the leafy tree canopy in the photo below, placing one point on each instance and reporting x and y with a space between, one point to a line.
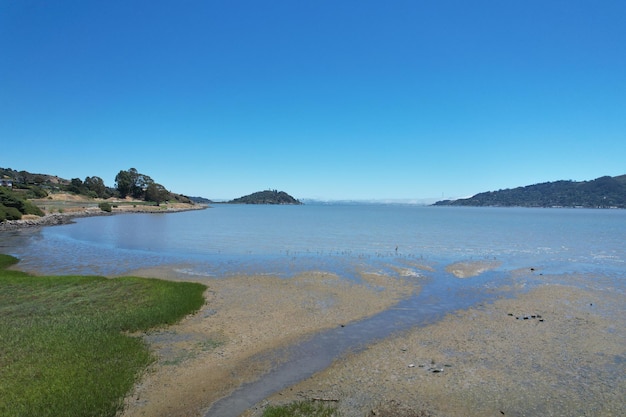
128 183
140 186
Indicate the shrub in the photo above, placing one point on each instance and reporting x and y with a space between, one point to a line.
30 208
36 192
10 199
105 207
9 213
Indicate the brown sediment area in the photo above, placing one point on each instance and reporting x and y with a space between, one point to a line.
468 269
211 353
556 350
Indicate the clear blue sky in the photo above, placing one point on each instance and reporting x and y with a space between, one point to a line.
325 99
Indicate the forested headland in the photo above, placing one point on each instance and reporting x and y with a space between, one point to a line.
19 188
266 197
603 192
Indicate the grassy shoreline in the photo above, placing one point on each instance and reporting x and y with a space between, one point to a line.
65 343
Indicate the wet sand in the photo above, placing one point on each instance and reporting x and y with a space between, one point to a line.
471 269
556 350
208 355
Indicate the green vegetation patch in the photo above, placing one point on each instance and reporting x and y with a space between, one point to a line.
105 207
13 205
302 409
65 348
266 197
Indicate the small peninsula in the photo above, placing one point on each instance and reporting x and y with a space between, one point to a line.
603 192
266 197
28 199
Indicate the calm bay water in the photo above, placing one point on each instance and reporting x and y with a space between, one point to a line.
346 239
229 239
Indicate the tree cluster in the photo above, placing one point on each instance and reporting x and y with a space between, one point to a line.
140 186
128 183
92 186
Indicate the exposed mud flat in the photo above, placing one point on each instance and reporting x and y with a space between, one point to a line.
557 350
213 352
468 269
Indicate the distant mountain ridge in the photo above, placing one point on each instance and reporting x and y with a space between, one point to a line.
603 192
266 197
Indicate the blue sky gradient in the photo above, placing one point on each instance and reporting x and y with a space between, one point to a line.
322 99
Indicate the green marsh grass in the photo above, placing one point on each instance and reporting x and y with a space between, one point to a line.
65 343
302 409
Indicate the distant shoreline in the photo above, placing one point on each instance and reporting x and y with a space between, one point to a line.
55 219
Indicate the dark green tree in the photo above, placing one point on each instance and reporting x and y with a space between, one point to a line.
141 185
157 193
132 183
96 186
76 186
124 183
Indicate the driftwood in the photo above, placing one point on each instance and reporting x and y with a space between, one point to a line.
324 399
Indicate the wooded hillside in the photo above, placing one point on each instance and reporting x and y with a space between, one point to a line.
266 197
603 192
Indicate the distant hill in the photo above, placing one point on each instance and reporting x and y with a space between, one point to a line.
201 200
603 192
25 177
266 197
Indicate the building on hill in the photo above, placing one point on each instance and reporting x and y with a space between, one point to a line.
6 182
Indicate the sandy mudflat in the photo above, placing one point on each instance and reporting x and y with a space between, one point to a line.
555 351
209 354
471 269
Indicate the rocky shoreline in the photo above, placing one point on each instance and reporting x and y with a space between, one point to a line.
55 219
47 220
